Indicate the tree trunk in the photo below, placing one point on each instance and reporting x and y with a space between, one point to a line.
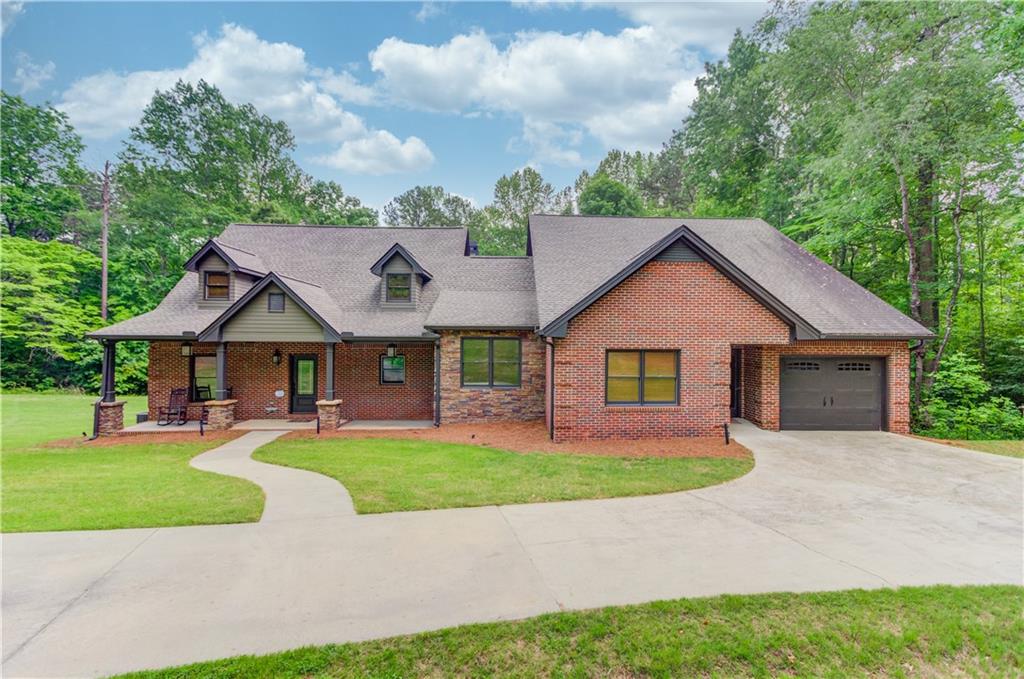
104 237
914 283
924 232
982 348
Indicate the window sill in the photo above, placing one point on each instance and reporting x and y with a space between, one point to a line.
484 387
643 408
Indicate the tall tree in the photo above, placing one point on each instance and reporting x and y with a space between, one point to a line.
39 169
428 206
605 196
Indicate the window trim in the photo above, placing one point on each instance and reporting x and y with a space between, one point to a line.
387 288
226 286
490 363
193 395
380 370
642 403
270 306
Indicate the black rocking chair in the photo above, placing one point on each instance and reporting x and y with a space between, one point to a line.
176 411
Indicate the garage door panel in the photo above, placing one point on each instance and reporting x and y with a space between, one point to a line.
831 393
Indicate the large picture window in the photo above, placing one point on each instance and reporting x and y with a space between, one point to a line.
204 377
392 369
399 287
491 362
642 378
217 285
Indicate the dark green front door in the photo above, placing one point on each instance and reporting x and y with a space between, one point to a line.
303 383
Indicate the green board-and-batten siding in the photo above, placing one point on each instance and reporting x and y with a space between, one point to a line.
255 323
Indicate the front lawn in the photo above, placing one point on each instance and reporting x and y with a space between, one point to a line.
390 475
128 485
29 419
920 632
1007 448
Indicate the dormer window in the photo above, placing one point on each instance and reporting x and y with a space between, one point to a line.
217 285
399 287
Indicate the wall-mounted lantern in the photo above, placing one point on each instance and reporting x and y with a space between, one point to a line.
276 358
392 348
186 348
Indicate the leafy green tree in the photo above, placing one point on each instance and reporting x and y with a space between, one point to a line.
605 196
428 206
521 194
39 169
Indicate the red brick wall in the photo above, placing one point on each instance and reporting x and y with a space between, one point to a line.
474 404
362 395
254 378
761 372
685 306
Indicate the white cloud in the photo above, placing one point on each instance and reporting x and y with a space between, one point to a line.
30 75
9 12
379 153
706 25
274 77
427 11
628 89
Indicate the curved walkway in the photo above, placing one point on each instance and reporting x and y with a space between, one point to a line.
820 511
289 493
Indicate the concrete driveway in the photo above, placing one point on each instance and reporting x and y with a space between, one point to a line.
820 511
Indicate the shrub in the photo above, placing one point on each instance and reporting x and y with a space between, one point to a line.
959 406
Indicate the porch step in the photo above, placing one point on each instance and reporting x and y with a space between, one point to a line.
388 424
273 425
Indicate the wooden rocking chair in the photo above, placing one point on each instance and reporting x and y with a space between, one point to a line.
176 411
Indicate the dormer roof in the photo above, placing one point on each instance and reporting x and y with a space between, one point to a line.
397 250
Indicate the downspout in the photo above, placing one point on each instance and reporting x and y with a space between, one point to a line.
551 387
437 383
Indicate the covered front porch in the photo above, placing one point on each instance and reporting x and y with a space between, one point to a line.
281 385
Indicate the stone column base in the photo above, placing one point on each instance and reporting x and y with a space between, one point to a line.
330 414
111 418
221 414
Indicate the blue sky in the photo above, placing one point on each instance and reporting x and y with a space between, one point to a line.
384 96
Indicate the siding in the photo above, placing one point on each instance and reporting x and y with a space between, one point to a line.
255 324
678 252
212 262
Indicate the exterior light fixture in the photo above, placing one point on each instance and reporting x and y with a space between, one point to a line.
392 348
186 348
276 358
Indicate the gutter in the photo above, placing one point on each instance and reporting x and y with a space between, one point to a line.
437 383
551 419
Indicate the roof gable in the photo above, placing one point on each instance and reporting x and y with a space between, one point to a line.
215 329
397 250
236 258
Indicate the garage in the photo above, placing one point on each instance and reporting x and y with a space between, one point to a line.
832 392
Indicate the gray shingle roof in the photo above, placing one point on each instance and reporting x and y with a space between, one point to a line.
329 268
600 247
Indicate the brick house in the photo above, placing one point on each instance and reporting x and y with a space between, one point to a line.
607 328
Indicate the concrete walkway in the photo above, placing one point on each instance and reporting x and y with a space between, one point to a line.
289 493
820 511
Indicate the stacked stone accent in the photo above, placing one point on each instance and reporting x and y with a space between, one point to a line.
330 414
221 415
111 418
477 404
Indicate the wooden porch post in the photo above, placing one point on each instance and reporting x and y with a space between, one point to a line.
108 394
221 393
329 384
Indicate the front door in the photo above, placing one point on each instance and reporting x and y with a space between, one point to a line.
302 383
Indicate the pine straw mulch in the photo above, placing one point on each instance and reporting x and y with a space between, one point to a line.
532 437
145 438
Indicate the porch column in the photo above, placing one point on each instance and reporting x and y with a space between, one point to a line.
329 384
221 393
109 413
107 390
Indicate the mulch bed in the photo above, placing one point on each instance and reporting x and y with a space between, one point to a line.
145 438
532 437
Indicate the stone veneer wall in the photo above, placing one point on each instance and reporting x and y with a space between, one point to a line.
476 404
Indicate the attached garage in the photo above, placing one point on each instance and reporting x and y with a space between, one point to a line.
832 392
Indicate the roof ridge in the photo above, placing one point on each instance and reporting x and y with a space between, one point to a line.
233 247
350 226
298 280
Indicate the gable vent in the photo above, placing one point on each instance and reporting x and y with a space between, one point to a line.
678 252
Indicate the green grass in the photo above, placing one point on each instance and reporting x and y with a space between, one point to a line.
122 486
910 632
30 419
93 487
388 475
1007 448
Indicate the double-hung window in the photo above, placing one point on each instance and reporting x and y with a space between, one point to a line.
392 369
491 362
399 287
217 285
644 377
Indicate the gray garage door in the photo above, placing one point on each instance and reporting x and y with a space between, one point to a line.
836 392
